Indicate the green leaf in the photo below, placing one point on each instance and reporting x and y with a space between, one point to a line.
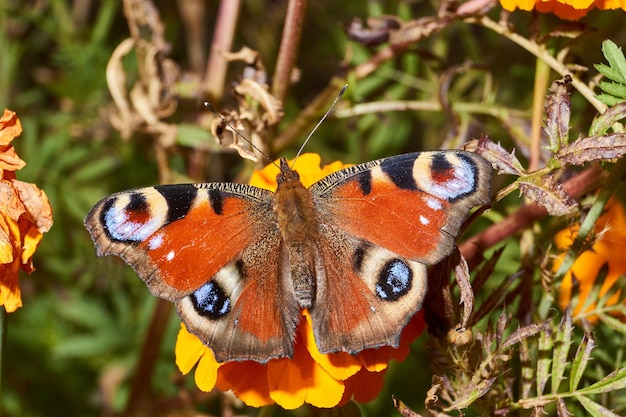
616 59
195 137
609 100
544 360
607 71
95 170
614 89
595 409
563 340
613 323
612 382
581 360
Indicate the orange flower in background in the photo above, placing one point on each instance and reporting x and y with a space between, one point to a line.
25 215
322 380
565 9
609 249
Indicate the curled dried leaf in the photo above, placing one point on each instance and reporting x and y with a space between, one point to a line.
226 137
259 93
504 162
558 113
375 33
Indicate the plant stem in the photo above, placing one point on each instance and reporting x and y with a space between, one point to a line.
288 50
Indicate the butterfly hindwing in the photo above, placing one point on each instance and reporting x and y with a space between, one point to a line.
365 294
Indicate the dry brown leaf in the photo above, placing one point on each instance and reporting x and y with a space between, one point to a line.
504 162
546 192
558 113
593 148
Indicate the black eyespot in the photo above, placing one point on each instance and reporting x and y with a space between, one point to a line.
395 280
210 301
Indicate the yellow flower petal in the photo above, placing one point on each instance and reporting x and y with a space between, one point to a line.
339 365
189 349
206 372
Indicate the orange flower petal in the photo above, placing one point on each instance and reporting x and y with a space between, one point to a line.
607 250
364 386
247 380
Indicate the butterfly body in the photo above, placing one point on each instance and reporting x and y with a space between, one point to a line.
241 262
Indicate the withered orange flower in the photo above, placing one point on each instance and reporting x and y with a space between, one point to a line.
322 380
609 249
25 215
565 9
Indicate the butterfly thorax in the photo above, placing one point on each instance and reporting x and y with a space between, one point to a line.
296 219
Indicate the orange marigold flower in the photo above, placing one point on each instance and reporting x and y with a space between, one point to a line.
322 380
608 249
25 215
565 9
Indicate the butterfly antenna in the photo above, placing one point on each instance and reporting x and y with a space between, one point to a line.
237 132
343 90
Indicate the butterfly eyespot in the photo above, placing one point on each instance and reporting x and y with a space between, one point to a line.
394 281
129 221
210 301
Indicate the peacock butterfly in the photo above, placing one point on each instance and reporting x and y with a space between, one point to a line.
240 262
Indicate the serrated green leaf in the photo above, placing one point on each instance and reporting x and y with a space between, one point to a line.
562 343
581 360
609 100
607 71
614 89
616 59
613 381
595 409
